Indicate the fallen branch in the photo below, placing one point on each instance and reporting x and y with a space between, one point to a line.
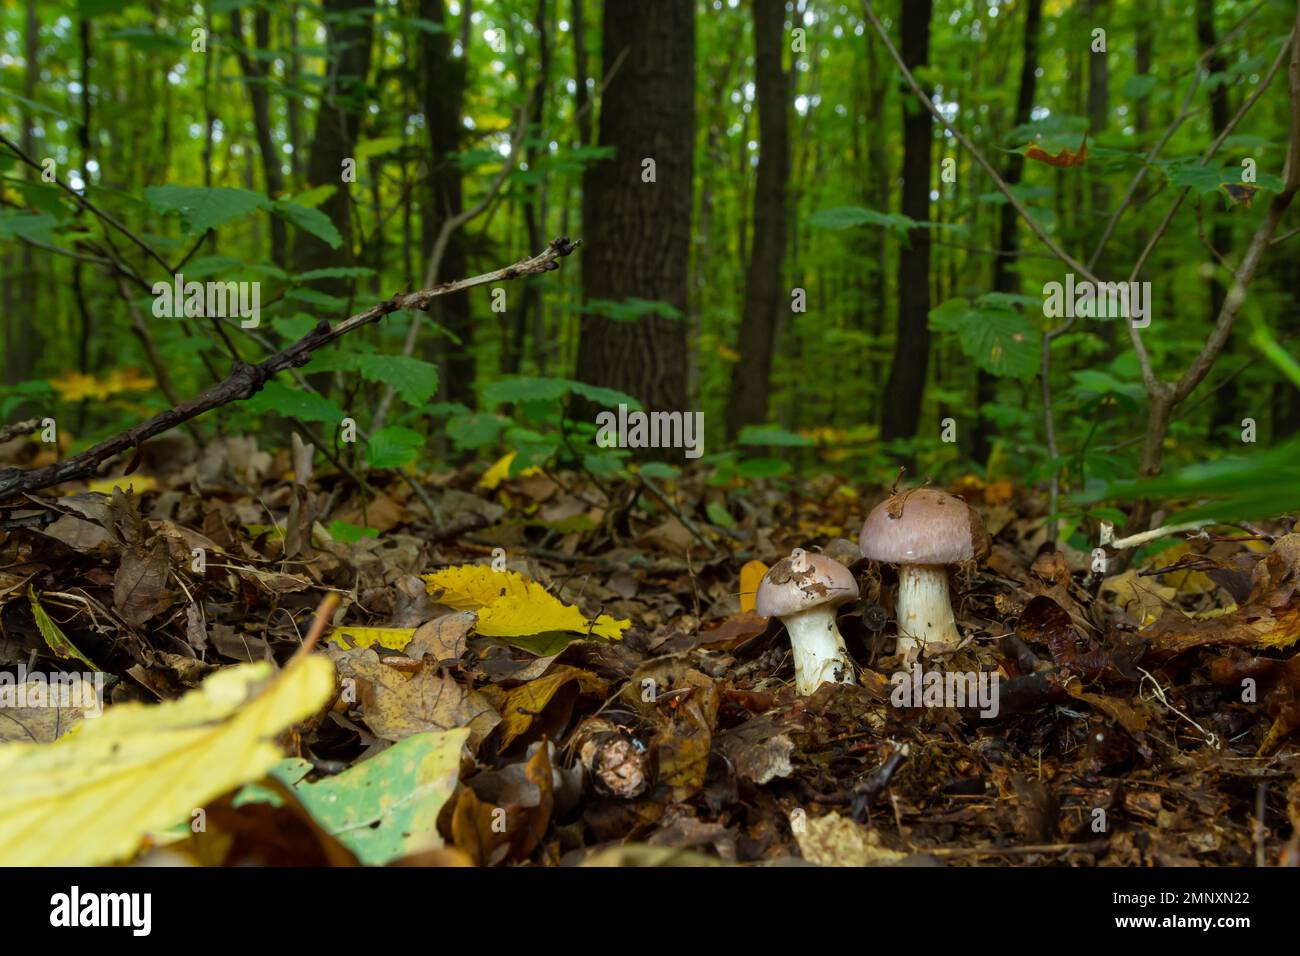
8 432
246 380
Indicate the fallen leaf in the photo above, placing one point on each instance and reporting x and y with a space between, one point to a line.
91 797
510 605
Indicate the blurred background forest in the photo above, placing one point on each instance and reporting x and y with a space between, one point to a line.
812 259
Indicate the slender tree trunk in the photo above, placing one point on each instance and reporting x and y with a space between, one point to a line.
21 343
901 410
338 123
638 233
1006 278
259 95
764 292
532 317
444 93
1225 408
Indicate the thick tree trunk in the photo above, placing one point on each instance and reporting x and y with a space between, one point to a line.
901 410
444 95
638 233
1005 276
764 292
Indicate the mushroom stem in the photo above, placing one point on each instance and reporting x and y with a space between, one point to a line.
819 652
924 614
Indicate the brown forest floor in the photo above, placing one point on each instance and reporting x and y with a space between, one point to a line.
1123 738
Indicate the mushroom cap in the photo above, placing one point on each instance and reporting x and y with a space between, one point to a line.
822 580
923 526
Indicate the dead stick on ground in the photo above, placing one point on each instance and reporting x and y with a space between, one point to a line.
246 380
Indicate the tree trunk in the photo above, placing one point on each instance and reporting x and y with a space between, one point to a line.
901 409
638 233
255 79
1225 410
1006 278
532 317
764 292
338 121
444 94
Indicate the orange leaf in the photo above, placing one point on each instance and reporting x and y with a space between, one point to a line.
750 575
1063 158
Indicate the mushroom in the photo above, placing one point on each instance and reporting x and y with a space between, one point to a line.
922 531
804 590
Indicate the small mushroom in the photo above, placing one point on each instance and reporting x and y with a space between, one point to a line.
804 590
921 531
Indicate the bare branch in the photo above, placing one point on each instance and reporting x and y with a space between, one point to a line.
246 380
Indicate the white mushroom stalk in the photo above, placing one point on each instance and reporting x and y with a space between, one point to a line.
925 615
804 590
820 655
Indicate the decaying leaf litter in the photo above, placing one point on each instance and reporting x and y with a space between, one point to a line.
552 670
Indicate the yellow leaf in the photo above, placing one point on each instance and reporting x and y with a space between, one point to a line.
750 575
91 797
510 605
393 638
74 386
501 471
138 484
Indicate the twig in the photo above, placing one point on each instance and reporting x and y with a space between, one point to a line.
8 432
687 523
1134 540
246 380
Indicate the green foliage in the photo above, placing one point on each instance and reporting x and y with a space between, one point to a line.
287 400
413 379
393 447
998 339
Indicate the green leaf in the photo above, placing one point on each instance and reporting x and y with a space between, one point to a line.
415 380
998 340
393 447
350 533
58 641
763 468
335 272
204 207
1240 488
474 431
1004 343
719 515
630 309
294 402
540 389
315 297
1203 179
377 147
385 807
845 217
659 469
309 220
1138 87
772 435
